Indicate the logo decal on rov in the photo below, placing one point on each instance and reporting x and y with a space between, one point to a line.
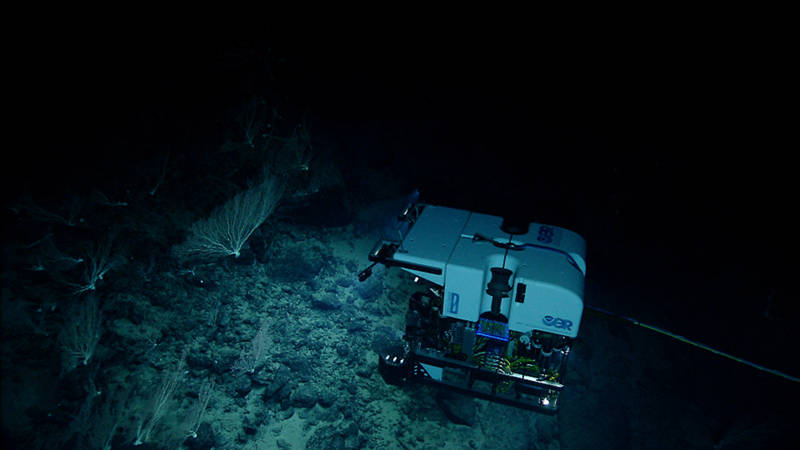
557 322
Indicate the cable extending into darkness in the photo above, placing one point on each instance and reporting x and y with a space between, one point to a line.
691 342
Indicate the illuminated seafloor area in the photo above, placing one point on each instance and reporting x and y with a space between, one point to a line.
122 327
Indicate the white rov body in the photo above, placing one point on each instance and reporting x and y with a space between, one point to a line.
548 266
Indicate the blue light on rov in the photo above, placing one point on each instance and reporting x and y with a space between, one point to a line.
492 329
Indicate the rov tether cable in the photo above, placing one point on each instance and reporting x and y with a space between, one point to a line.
691 342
